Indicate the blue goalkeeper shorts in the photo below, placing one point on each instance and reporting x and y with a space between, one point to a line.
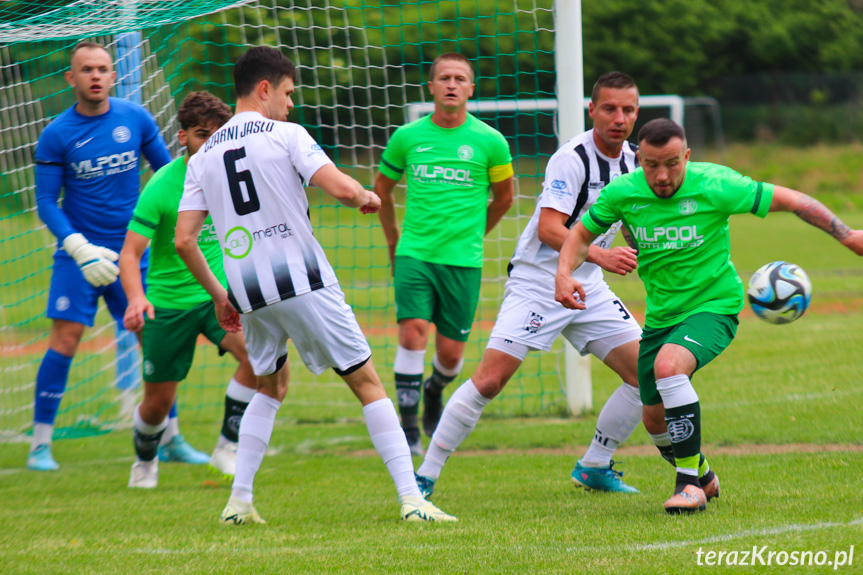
72 298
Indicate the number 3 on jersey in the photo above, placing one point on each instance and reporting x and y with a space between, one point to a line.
235 179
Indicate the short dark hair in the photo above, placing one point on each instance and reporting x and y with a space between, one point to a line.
659 131
202 109
614 80
86 44
451 57
261 63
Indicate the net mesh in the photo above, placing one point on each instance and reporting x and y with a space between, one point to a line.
361 64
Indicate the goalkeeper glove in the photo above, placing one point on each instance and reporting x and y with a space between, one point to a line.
96 262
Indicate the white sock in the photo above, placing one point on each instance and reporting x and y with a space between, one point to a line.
390 443
144 427
256 428
676 391
170 431
459 418
447 371
619 417
239 392
661 440
42 433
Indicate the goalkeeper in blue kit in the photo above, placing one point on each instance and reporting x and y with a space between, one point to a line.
92 152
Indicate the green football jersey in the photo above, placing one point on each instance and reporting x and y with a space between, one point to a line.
683 241
449 171
170 284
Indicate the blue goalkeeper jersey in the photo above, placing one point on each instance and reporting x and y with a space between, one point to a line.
96 160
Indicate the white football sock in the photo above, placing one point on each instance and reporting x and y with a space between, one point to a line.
459 418
619 417
144 427
170 431
42 433
256 428
390 443
239 392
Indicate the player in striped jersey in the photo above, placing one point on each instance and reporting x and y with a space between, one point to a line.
250 176
530 319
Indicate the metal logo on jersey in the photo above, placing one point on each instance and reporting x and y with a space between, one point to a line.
680 430
533 322
122 134
687 207
465 152
238 243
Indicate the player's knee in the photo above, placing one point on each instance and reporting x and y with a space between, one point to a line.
65 337
488 385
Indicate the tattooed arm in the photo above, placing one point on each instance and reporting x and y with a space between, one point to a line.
815 213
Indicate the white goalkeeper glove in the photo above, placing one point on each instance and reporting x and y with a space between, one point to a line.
96 262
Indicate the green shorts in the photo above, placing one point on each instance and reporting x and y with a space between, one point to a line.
706 335
169 340
445 295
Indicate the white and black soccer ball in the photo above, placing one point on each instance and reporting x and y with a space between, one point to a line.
779 292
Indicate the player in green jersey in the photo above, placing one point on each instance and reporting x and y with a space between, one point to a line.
451 159
175 308
677 212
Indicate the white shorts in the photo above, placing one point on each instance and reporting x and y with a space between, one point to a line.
320 323
531 317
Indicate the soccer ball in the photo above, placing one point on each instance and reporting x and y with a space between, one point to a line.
779 292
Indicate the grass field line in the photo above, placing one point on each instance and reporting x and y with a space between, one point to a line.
778 530
604 549
789 398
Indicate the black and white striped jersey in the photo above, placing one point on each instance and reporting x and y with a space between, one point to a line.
250 176
575 175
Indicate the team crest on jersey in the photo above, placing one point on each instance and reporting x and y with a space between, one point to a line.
465 152
533 322
121 134
687 207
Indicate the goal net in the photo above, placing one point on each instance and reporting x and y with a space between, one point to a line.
361 64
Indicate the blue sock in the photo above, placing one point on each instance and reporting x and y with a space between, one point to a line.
50 385
128 376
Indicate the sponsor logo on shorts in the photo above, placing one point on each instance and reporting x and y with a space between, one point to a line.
533 322
62 303
680 430
690 340
149 368
558 185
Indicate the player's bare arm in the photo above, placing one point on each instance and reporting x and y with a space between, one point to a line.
816 214
189 225
573 253
345 189
130 278
500 204
552 232
387 214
